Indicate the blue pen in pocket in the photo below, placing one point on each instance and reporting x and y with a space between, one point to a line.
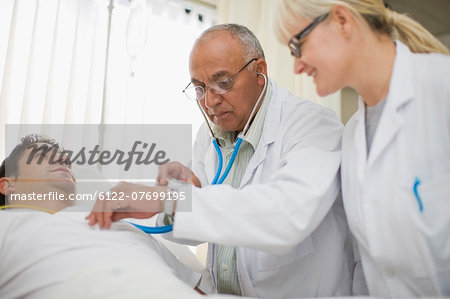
416 194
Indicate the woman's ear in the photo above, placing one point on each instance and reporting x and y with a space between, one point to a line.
6 186
344 18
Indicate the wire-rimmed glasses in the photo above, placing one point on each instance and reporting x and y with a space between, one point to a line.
196 93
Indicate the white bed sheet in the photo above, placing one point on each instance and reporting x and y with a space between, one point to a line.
42 254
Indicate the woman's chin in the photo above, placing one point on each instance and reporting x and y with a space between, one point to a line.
323 91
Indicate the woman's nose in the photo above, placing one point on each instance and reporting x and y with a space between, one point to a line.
299 66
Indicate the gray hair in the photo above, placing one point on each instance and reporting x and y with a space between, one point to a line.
250 44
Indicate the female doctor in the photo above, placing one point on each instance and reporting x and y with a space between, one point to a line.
396 147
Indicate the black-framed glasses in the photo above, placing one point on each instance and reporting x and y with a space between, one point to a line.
295 43
196 93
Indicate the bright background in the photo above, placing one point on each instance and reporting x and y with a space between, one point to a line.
54 66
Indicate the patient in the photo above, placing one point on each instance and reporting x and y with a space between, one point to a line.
49 251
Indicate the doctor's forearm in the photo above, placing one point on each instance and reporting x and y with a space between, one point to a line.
223 216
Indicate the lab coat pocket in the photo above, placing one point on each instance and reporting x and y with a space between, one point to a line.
408 236
269 262
434 219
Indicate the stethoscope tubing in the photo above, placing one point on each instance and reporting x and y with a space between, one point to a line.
217 178
154 229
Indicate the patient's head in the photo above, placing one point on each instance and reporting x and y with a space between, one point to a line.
36 165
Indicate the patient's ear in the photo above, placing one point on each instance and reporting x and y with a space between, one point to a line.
6 186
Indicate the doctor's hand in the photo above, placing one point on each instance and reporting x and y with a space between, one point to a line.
176 170
129 201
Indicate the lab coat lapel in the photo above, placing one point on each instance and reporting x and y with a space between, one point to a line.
271 126
401 91
258 157
360 139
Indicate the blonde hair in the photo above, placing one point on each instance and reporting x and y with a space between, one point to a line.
380 19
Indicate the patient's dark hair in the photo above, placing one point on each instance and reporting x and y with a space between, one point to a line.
11 165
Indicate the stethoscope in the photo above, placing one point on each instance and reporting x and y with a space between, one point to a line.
219 177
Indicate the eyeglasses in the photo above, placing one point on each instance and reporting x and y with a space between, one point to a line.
196 93
295 44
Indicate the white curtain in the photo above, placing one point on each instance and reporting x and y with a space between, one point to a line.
48 60
258 16
53 56
156 71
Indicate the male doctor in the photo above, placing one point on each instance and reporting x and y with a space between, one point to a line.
275 226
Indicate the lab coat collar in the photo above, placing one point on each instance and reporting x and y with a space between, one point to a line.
401 91
272 121
269 133
268 136
253 135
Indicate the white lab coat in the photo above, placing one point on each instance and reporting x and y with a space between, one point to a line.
404 252
292 232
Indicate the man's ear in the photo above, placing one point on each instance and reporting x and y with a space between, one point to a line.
261 68
6 186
